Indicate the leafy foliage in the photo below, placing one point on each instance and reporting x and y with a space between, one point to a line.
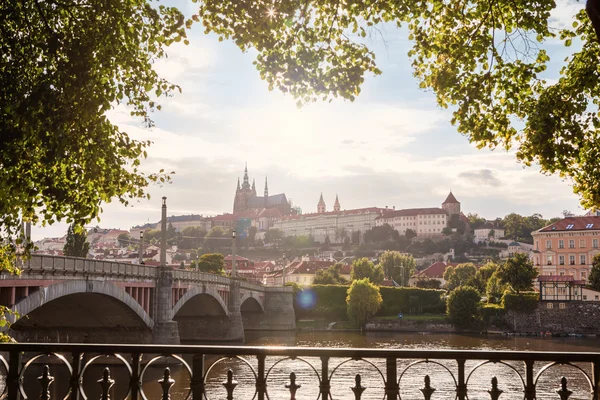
213 263
427 283
76 244
363 301
64 65
462 274
411 300
518 272
483 59
330 276
363 268
400 267
594 277
495 289
463 307
522 302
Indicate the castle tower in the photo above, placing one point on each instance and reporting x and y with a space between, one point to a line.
253 186
243 193
321 208
336 205
451 205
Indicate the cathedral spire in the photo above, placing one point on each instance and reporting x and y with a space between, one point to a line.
321 207
246 184
238 186
266 188
336 205
253 185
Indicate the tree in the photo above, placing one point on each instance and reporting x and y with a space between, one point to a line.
326 244
483 275
76 244
409 234
273 236
426 283
65 64
397 266
355 237
463 307
213 263
518 273
363 301
346 245
215 239
330 276
495 289
252 231
363 268
476 221
594 278
462 274
124 239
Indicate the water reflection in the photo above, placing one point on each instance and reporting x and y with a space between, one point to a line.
344 371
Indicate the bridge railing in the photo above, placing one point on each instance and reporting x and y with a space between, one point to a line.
219 372
73 266
197 276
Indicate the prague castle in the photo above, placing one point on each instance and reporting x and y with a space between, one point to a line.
246 199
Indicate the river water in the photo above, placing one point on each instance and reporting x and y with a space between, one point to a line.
343 379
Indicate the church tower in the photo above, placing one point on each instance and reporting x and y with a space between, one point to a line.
451 205
243 193
321 208
336 205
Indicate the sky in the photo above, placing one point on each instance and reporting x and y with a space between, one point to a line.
393 146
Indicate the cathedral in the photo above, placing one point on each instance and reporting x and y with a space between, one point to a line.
246 198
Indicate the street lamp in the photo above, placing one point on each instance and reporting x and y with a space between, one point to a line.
283 271
233 266
141 249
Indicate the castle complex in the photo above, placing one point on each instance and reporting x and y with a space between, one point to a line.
246 199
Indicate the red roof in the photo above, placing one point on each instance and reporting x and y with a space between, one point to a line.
311 267
451 199
436 270
224 217
574 224
237 258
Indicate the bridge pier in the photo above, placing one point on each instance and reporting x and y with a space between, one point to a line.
166 331
235 329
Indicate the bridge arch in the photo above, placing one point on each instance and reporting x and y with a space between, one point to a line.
200 290
66 288
252 297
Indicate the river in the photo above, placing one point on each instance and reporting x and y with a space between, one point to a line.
343 379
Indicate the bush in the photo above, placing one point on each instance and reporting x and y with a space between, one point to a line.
464 307
522 303
363 301
411 300
328 301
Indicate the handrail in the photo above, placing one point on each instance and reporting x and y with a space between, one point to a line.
324 362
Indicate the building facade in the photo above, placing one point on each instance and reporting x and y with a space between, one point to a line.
488 232
567 247
246 199
425 222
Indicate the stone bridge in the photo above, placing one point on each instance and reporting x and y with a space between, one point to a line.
64 299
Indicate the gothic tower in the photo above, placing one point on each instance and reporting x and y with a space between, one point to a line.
243 193
451 205
336 205
321 208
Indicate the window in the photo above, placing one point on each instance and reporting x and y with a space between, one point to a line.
561 306
585 297
595 243
561 260
549 306
562 273
582 259
596 297
572 259
583 275
570 226
571 244
582 243
549 260
561 244
548 244
589 226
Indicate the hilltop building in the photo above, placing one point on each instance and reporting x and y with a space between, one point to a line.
246 199
425 222
567 247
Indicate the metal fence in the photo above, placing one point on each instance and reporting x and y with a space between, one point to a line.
390 368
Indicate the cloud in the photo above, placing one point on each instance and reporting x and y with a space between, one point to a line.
562 15
482 176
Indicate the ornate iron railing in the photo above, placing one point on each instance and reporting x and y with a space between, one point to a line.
389 369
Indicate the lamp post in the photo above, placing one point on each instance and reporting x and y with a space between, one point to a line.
233 269
283 271
141 249
163 234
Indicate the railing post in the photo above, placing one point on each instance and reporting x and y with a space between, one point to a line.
197 376
12 379
461 388
261 382
325 385
392 390
596 380
76 367
135 376
529 385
